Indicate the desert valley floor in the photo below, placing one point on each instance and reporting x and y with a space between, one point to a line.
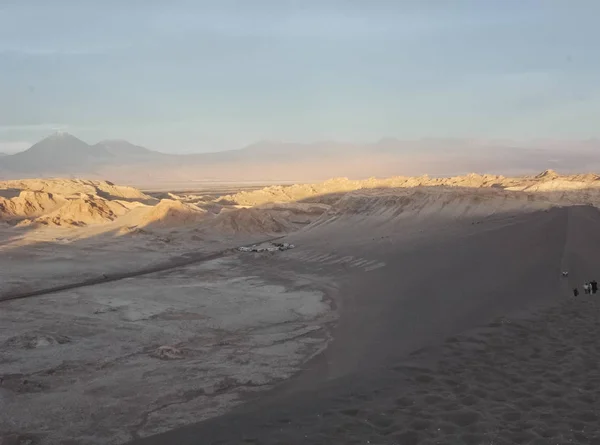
409 311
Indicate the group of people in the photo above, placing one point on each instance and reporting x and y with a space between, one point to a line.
591 287
588 288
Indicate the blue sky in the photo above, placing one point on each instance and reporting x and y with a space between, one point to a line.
194 75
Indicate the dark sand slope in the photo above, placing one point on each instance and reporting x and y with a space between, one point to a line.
409 364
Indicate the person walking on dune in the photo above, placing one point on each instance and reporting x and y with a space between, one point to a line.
586 288
575 292
594 286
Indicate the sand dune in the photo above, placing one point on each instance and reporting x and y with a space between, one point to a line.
249 221
427 299
80 202
466 337
328 190
171 213
439 202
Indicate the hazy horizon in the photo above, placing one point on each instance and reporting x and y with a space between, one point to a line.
18 147
201 76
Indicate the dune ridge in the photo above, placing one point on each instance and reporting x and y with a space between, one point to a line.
440 201
284 209
546 181
74 186
169 212
82 211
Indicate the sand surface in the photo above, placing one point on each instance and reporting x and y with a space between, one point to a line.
407 310
107 363
468 339
158 315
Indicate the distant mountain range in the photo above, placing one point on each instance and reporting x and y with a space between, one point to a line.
62 154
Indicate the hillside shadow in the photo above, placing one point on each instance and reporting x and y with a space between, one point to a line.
110 197
380 194
9 193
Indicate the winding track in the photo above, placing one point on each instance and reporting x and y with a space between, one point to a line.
175 263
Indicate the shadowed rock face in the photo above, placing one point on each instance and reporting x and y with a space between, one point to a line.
124 162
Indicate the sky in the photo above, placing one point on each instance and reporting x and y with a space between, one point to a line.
186 76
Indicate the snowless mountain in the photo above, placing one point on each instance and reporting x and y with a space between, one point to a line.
62 154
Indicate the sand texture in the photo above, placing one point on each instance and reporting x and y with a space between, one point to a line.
524 381
498 352
410 311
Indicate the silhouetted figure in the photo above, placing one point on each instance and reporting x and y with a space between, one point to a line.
594 285
575 292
